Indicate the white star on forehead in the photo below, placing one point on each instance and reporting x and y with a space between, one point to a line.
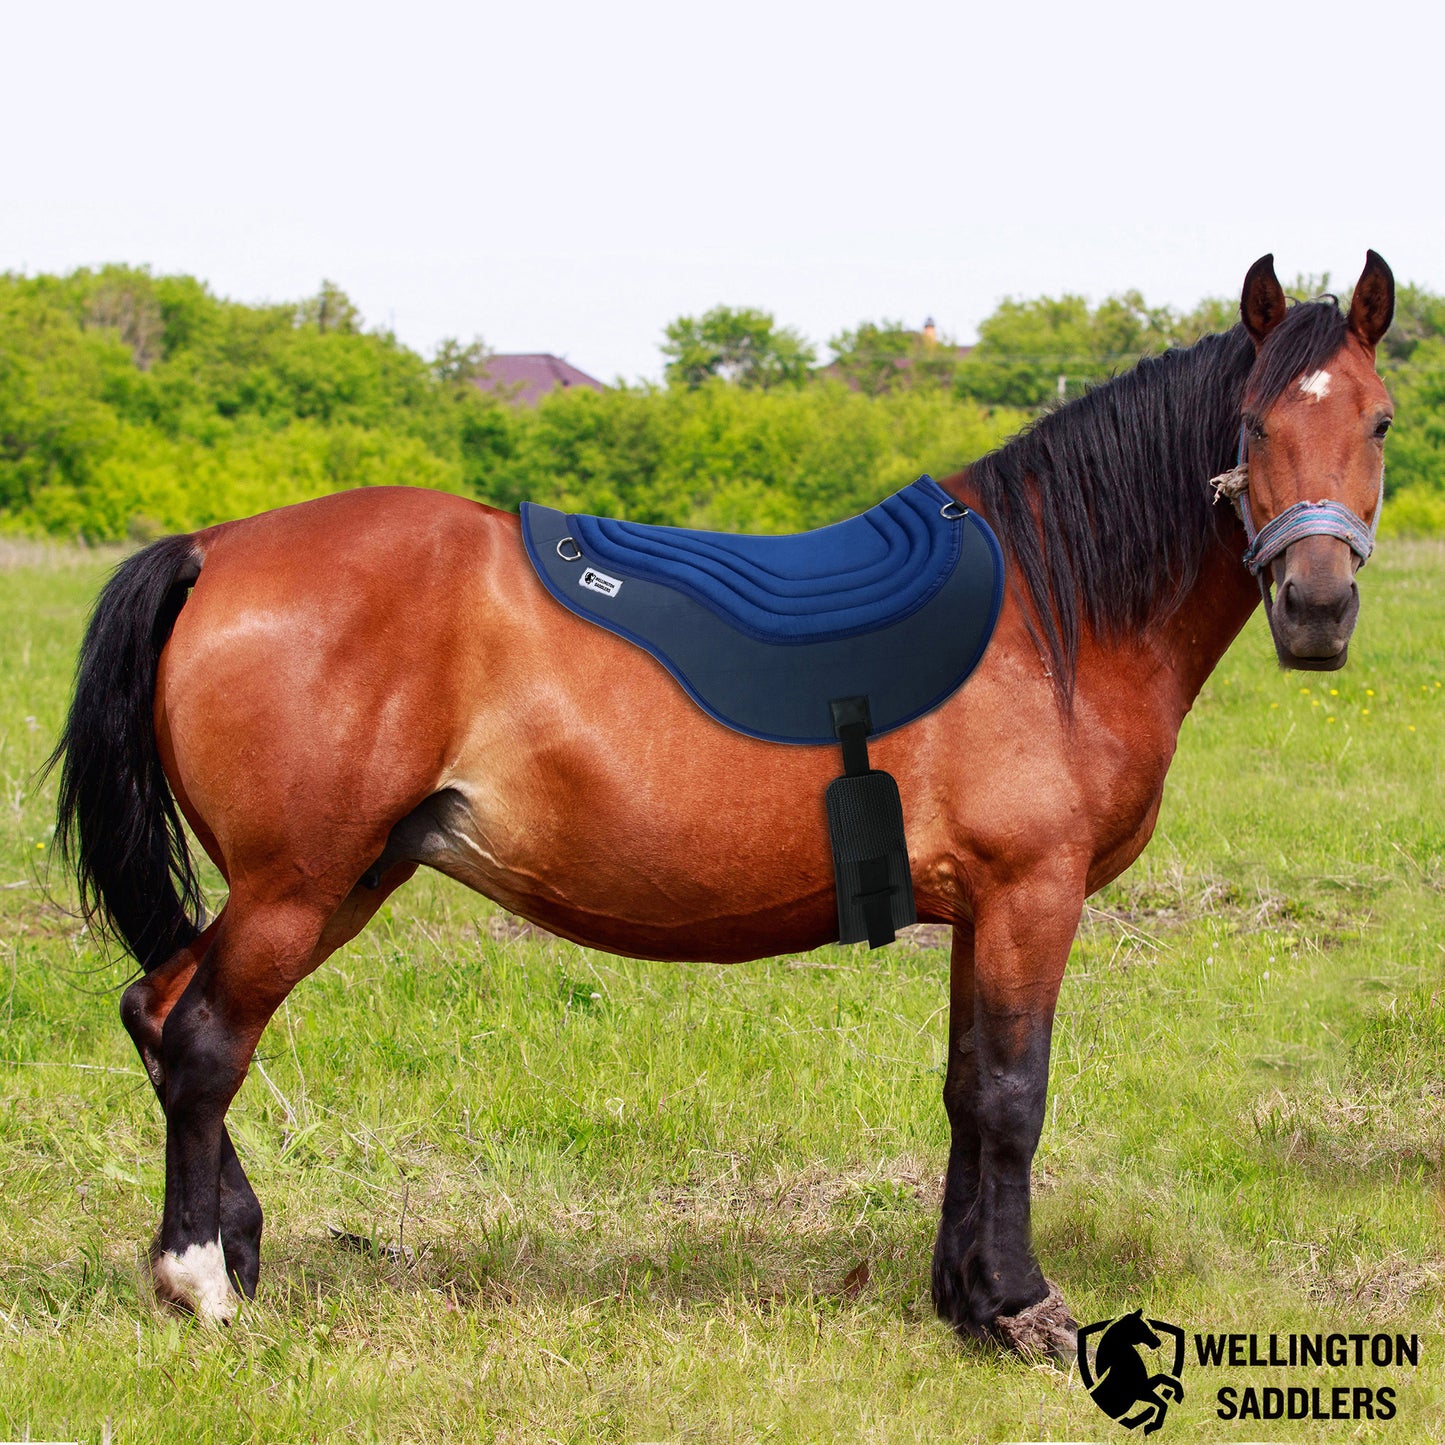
1316 385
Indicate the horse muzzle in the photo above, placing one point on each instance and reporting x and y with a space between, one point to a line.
1312 550
1316 604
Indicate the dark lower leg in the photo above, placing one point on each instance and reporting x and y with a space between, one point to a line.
958 1225
203 1061
241 1221
259 953
144 1008
196 1022
1005 984
1003 1276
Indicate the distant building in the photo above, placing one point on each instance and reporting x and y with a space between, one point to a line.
523 378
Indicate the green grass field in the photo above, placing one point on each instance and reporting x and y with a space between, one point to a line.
622 1201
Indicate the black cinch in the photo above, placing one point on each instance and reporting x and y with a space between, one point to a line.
830 636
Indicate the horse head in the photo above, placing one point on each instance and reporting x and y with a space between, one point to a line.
1130 1329
1313 425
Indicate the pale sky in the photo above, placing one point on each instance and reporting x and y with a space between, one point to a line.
566 177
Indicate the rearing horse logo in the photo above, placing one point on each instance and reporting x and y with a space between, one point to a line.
1117 1377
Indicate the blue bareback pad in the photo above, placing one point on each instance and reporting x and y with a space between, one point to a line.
896 605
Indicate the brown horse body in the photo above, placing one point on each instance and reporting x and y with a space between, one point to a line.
376 680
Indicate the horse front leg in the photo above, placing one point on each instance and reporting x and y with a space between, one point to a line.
958 1227
1005 984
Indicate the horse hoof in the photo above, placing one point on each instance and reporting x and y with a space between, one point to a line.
1046 1330
195 1281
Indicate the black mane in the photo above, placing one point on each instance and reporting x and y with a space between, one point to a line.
1103 505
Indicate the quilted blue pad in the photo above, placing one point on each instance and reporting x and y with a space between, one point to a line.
897 606
838 581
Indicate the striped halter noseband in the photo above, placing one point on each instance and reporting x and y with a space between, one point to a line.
1304 519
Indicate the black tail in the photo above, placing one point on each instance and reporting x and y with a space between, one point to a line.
116 821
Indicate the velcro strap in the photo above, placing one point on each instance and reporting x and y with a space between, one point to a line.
875 893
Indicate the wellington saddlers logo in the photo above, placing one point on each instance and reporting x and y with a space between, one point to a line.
1122 1383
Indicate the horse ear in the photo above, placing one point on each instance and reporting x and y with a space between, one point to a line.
1373 306
1261 306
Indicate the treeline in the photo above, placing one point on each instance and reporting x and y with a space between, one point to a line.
133 404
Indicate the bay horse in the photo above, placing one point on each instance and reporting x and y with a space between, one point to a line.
334 693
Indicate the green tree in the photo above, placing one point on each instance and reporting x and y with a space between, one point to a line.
125 302
57 382
738 344
131 403
873 357
1419 316
1415 454
456 365
884 356
1025 347
1212 315
330 309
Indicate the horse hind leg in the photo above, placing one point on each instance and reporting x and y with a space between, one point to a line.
145 1005
211 1228
257 953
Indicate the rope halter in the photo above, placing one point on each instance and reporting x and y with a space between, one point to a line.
1304 519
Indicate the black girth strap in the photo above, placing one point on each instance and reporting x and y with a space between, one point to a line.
865 823
851 725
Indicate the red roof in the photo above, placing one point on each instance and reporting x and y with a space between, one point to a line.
526 377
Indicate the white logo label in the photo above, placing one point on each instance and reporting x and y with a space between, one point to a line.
600 582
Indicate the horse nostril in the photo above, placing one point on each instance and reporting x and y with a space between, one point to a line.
1290 600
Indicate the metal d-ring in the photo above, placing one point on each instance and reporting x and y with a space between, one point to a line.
576 550
947 510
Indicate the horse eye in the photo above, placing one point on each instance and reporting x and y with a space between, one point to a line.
1256 431
1382 426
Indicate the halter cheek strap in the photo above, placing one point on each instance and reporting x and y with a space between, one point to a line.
1304 519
